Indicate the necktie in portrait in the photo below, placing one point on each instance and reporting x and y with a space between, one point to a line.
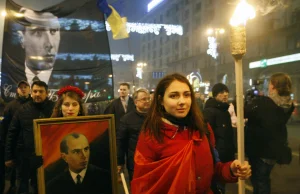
78 179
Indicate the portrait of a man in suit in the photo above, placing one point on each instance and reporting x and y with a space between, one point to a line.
40 40
80 177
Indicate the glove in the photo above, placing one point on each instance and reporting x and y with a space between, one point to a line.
36 161
103 7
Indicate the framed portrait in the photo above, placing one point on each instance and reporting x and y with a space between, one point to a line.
79 154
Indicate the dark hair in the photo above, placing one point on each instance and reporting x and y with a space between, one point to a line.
63 143
41 84
282 83
153 121
125 84
219 88
57 108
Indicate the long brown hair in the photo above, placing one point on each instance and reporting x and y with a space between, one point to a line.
153 121
57 108
282 83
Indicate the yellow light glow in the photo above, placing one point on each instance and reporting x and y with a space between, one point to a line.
210 31
3 13
242 13
222 31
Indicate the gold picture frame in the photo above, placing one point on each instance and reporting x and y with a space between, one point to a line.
99 131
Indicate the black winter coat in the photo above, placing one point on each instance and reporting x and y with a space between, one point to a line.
127 137
9 112
216 113
22 124
116 108
266 131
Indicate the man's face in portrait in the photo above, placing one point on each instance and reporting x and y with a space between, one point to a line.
78 153
40 40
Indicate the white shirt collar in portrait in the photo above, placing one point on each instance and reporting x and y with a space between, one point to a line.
74 175
42 75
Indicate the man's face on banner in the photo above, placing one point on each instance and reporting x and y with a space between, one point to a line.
40 40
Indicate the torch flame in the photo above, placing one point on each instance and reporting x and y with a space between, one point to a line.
242 13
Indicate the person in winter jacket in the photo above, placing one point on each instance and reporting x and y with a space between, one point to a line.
217 115
21 133
129 130
22 97
266 134
174 153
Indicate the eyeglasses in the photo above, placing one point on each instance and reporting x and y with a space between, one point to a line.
145 99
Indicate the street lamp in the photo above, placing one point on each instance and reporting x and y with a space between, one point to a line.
242 13
139 69
213 43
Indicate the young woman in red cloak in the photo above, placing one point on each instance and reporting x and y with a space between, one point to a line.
173 154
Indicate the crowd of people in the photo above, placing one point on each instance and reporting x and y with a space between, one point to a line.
170 141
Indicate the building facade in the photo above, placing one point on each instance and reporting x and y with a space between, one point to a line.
273 33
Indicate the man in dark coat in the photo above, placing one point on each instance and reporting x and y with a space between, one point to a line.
130 126
81 177
121 105
20 133
216 113
22 97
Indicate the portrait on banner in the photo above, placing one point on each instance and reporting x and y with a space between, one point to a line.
78 155
61 45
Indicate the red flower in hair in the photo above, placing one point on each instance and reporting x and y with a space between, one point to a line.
70 89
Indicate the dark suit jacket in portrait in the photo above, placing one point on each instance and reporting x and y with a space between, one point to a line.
95 181
116 108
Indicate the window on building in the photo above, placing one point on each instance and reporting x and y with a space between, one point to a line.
295 17
154 54
160 52
168 38
149 46
186 53
186 41
161 18
154 44
160 63
176 45
187 2
198 7
186 27
161 40
186 14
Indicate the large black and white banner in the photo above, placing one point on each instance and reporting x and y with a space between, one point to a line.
64 44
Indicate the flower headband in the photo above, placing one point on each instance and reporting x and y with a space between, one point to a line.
70 89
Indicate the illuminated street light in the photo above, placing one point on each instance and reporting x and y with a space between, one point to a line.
139 69
3 13
210 31
242 13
